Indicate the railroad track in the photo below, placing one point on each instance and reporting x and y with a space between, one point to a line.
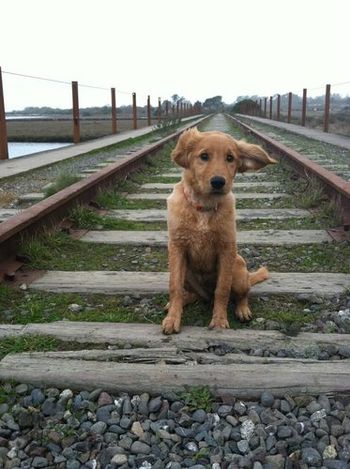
106 320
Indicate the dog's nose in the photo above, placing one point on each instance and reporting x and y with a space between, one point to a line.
217 182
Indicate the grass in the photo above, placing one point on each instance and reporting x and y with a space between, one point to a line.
7 198
62 181
19 307
32 343
198 397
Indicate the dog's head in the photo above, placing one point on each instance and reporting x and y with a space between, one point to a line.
212 159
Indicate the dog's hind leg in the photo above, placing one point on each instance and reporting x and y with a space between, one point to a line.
240 288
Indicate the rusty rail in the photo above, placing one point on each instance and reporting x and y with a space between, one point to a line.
336 188
53 209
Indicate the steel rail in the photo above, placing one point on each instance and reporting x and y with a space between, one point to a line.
336 188
53 209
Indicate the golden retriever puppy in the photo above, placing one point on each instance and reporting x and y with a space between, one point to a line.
203 259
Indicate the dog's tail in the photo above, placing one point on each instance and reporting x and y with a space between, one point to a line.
259 276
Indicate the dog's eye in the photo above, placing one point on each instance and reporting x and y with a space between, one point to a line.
204 157
229 158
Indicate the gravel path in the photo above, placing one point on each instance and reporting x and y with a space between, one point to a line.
61 429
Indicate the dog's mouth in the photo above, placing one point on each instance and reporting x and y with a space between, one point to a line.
217 192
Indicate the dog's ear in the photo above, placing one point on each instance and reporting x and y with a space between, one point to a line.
252 157
184 145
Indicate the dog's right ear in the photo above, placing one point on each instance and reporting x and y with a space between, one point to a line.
184 145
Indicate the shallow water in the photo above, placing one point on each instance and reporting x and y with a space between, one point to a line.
17 149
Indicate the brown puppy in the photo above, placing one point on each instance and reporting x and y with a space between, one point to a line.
203 257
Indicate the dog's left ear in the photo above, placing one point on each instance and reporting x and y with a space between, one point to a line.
252 157
184 146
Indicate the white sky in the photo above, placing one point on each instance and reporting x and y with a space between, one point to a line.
195 48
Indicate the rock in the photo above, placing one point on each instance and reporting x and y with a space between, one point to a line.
240 408
275 461
199 416
98 427
247 429
284 431
37 397
318 415
138 447
21 389
267 399
40 462
224 410
243 446
329 452
155 404
119 459
311 457
137 429
75 308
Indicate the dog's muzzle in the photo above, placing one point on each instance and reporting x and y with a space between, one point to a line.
217 182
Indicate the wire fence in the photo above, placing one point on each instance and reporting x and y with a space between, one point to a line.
67 111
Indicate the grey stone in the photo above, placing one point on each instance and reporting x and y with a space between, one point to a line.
155 404
247 429
199 416
284 431
37 397
314 406
240 408
40 462
140 448
224 410
98 427
276 461
311 457
119 459
21 389
243 446
267 399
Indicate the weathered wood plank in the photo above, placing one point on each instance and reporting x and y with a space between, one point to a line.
190 338
160 215
256 237
144 283
241 380
237 185
238 196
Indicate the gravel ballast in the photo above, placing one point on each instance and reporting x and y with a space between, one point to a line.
64 429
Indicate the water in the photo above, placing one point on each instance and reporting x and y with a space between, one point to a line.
17 149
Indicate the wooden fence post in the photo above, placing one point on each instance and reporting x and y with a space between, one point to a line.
76 117
182 109
114 112
166 108
270 113
159 109
4 152
134 111
177 109
149 119
289 107
303 111
278 107
326 108
265 107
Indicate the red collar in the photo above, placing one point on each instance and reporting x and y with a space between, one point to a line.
198 206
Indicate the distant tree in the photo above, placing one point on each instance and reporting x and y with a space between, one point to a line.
213 104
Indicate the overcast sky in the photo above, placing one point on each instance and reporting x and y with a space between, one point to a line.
195 48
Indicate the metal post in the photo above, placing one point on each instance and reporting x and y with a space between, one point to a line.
278 107
177 109
134 111
4 152
76 118
159 109
289 107
326 108
270 107
149 119
303 111
265 107
114 112
166 108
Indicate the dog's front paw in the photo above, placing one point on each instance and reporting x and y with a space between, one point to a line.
219 323
171 324
243 313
